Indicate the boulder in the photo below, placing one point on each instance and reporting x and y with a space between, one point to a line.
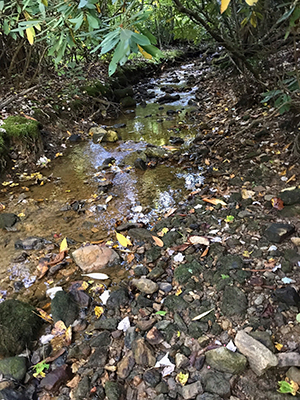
64 308
94 258
225 360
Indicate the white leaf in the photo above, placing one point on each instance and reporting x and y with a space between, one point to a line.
230 346
52 291
287 280
199 240
124 324
166 363
96 275
46 338
179 257
137 209
276 268
202 315
105 296
272 248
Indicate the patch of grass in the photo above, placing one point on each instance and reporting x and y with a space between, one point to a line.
18 127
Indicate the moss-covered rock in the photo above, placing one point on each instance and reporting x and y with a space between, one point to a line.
18 127
19 327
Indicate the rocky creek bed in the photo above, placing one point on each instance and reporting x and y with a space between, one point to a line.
199 303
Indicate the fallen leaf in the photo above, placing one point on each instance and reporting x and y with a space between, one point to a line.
247 194
63 245
124 324
202 315
277 203
205 252
182 378
96 275
46 317
158 241
94 230
278 346
108 199
123 240
178 292
215 201
291 178
170 212
130 258
98 311
198 240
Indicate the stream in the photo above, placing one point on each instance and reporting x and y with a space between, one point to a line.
68 203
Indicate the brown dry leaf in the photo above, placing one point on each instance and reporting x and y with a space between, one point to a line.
181 247
68 336
215 201
271 263
94 230
205 252
42 269
59 328
292 178
277 203
198 240
74 382
130 258
55 356
158 241
206 161
247 194
46 317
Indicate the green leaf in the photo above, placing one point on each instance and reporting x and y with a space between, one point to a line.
163 313
140 39
1 5
223 276
154 51
82 3
93 22
298 317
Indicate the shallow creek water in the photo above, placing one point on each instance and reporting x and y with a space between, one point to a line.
74 178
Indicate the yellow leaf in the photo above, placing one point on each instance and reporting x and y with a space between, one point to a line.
108 199
63 245
178 292
21 215
123 240
98 311
144 53
30 32
158 241
224 5
278 346
45 2
251 2
182 378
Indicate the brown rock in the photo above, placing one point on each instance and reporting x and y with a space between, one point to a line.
154 336
143 353
145 325
94 258
125 366
56 378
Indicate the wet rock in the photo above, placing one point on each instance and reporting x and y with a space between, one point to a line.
162 387
276 233
141 270
145 285
13 367
192 390
54 379
19 327
156 152
79 352
181 361
113 390
152 377
143 353
291 359
101 340
225 360
264 338
11 394
125 366
175 303
234 302
128 102
176 140
259 356
127 225
94 258
110 137
293 373
8 220
141 234
98 358
165 287
83 388
140 164
216 383
153 254
287 295
118 298
168 98
290 197
81 298
103 186
30 243
154 336
109 324
64 308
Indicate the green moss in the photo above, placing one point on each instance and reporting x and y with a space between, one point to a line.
17 127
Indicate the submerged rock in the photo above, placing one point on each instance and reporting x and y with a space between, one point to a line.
30 243
8 220
19 327
94 258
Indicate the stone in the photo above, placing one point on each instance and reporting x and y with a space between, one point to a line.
181 361
140 164
118 298
140 234
113 390
162 387
216 383
234 302
152 377
13 367
225 360
287 295
101 340
109 324
277 232
290 197
209 396
97 133
30 243
293 373
144 325
83 388
64 308
192 390
154 336
11 394
145 285
165 287
128 102
175 303
125 366
94 258
264 338
54 379
110 137
103 186
19 327
291 359
259 356
156 152
8 220
168 98
98 358
143 353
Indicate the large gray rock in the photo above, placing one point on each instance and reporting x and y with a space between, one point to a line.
291 359
276 233
225 360
192 390
13 367
113 390
259 356
216 383
290 197
234 302
8 220
94 258
19 327
64 308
